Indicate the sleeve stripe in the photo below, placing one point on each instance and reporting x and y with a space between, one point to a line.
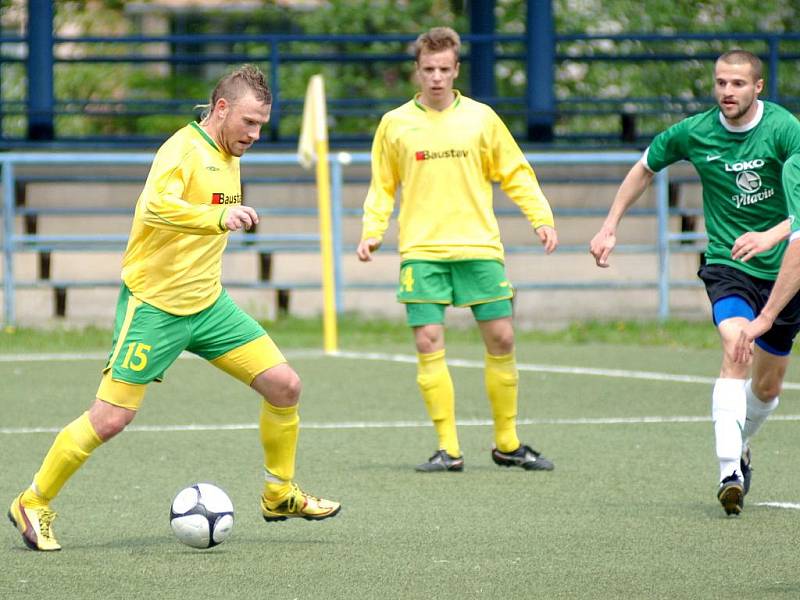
643 160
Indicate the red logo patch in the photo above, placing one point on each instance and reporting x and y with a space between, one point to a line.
420 155
216 198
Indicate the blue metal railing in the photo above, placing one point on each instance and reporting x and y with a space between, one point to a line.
280 52
14 243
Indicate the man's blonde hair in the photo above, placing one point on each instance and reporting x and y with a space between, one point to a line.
234 85
737 56
437 40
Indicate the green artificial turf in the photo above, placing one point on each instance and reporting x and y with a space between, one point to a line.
629 512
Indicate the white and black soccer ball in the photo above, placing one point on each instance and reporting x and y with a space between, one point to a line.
201 515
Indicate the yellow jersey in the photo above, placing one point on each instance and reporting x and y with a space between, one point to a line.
174 255
445 163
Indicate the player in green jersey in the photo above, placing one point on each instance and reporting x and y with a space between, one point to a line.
445 150
172 300
787 283
738 149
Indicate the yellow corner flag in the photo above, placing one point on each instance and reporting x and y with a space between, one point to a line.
313 144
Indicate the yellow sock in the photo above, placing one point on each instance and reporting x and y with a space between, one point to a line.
502 381
69 451
436 386
278 427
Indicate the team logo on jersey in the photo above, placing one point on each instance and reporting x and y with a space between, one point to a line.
744 165
223 198
432 154
749 182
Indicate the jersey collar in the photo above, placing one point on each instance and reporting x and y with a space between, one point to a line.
424 108
747 126
205 136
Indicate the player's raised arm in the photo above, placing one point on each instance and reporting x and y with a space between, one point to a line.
631 189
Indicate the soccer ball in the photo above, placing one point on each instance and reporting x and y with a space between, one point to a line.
201 515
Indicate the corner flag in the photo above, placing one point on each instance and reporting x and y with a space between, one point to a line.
313 144
315 127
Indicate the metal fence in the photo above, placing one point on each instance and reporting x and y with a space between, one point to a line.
13 242
535 106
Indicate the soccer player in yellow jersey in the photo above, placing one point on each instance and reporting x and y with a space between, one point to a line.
171 300
445 150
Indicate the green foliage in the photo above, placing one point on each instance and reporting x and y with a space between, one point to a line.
690 80
392 80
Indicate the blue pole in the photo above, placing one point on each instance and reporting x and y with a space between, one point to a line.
274 84
336 227
662 216
40 70
9 202
541 99
774 59
481 53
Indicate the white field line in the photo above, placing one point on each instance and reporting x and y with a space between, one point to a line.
790 505
405 358
646 420
408 358
563 370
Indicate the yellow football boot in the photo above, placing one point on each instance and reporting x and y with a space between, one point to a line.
35 525
298 504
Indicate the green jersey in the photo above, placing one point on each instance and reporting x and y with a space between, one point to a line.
740 170
791 184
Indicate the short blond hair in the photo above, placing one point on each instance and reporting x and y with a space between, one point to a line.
737 56
437 39
234 85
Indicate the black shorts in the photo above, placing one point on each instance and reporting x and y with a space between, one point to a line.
723 281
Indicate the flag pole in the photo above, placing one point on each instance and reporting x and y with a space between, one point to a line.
315 128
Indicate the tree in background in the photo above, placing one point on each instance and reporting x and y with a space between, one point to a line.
360 91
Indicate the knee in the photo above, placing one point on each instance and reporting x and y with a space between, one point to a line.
505 344
429 339
500 342
766 389
426 345
109 420
280 386
292 386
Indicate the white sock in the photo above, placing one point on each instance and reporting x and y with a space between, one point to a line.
728 412
757 412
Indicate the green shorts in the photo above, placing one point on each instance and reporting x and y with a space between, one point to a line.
148 340
427 287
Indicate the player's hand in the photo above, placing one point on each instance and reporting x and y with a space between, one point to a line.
744 345
751 243
548 237
366 248
601 246
239 217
